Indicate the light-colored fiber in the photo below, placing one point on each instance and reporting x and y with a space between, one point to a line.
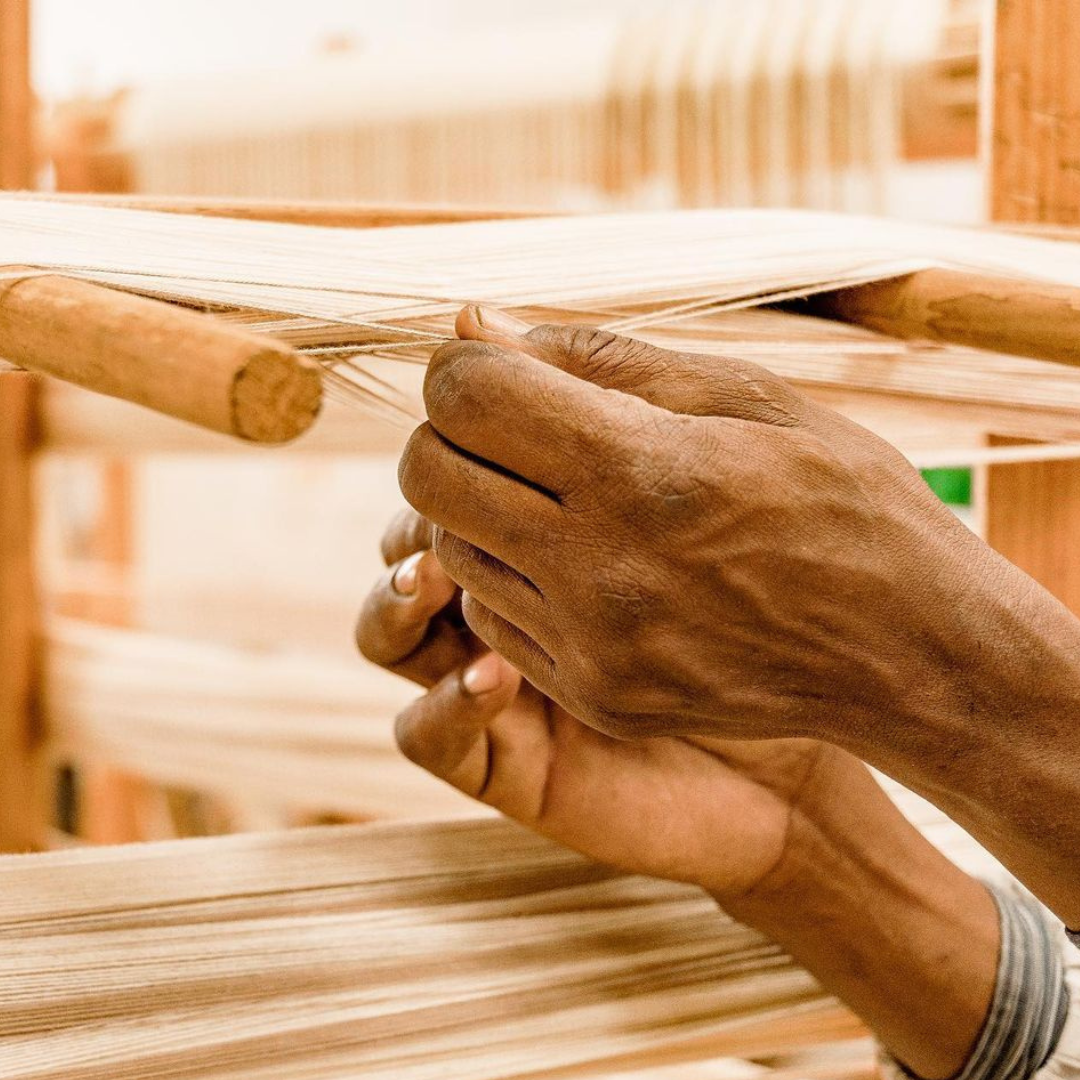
422 951
411 952
367 301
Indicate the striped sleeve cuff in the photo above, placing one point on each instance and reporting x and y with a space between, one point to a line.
1030 1003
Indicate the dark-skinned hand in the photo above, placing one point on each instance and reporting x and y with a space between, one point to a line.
791 836
670 543
718 814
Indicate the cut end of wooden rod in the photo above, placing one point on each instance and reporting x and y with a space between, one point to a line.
276 397
166 358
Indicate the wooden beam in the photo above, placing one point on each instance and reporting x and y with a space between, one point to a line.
22 813
1031 512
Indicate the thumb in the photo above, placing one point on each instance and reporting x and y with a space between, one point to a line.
691 383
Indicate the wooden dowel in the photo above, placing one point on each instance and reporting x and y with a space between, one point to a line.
1020 318
163 357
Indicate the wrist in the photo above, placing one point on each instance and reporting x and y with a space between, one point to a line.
886 923
984 724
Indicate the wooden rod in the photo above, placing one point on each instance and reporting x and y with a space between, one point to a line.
1020 318
164 357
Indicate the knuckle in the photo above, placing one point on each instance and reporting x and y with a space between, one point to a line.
369 640
405 534
599 351
623 604
454 381
407 736
767 397
591 352
454 554
416 467
477 617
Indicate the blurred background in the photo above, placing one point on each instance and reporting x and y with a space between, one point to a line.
200 603
589 104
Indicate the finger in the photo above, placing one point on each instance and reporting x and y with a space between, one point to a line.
492 583
399 626
530 418
485 734
495 512
511 643
691 383
407 533
447 730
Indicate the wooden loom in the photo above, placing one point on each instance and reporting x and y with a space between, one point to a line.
35 930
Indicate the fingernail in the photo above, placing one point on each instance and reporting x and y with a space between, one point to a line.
405 577
484 675
501 323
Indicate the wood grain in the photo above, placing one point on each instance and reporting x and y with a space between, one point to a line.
1020 318
1032 516
1035 148
157 355
1031 512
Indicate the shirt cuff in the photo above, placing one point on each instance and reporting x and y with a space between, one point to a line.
1030 1003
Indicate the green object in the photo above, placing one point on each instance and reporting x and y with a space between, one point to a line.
951 486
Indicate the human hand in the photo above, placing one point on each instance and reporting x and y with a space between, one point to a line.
790 836
674 543
719 815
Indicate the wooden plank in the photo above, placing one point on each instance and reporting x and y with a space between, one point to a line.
22 817
1031 512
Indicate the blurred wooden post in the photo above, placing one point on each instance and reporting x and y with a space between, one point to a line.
1032 512
22 809
22 813
112 804
16 101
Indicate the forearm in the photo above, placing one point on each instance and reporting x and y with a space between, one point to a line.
887 924
987 730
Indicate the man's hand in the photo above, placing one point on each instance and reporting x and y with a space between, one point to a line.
712 814
675 543
793 837
669 543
